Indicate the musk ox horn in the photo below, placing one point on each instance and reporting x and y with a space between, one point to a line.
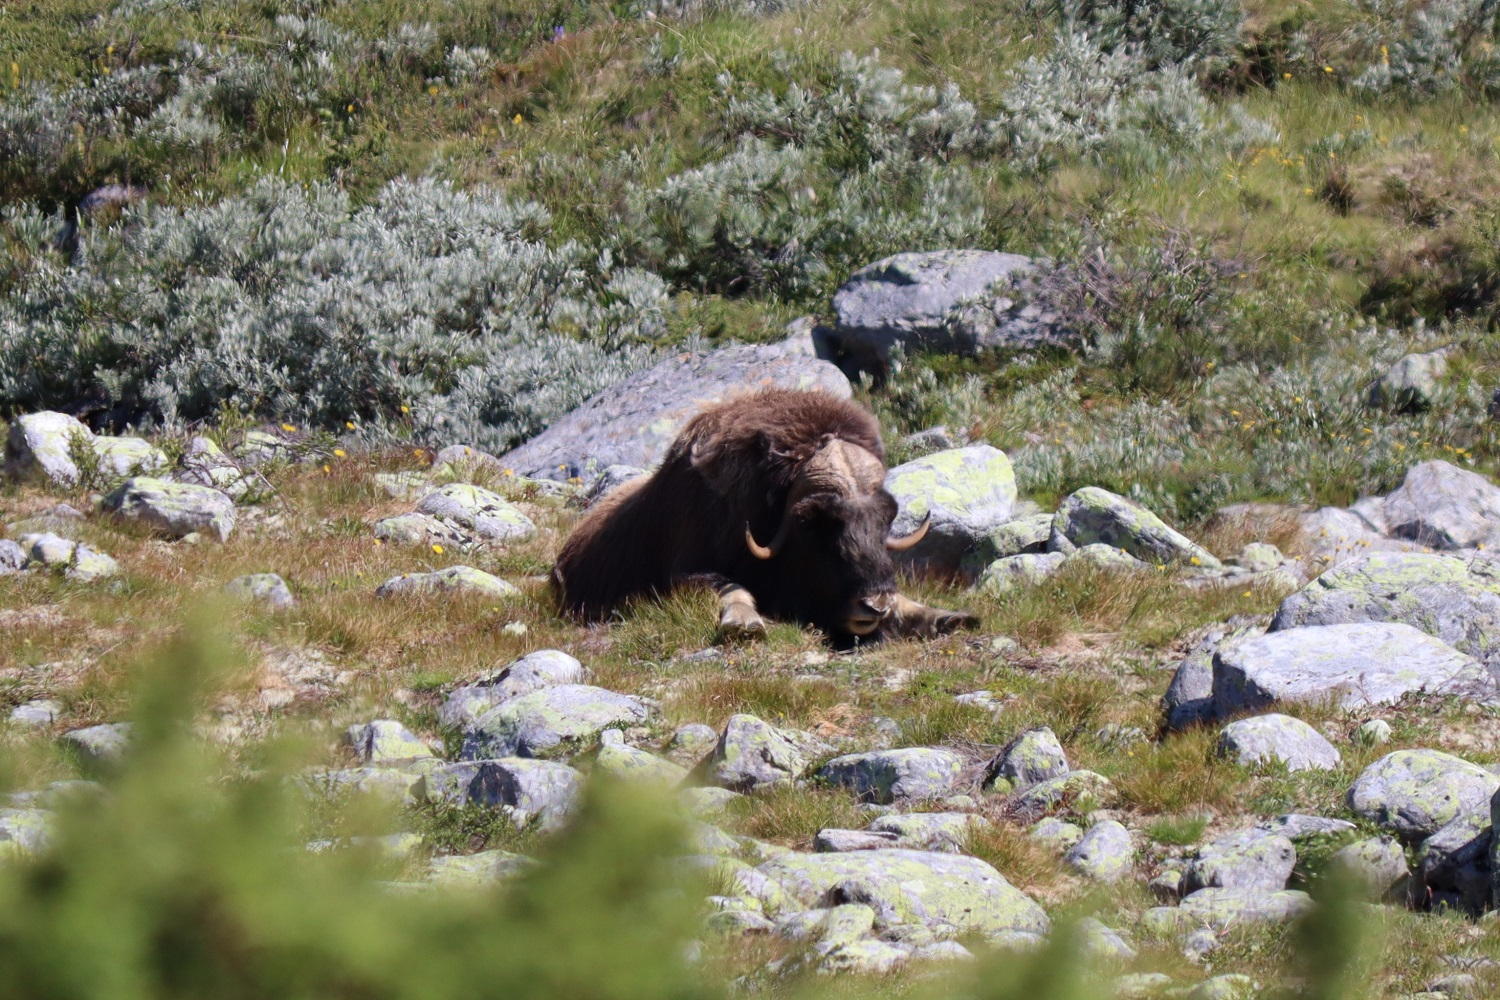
920 532
757 550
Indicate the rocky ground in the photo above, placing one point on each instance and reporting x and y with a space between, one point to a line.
1179 741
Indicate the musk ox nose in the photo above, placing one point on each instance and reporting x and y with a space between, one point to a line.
867 613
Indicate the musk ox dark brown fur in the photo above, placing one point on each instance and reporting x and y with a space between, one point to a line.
776 500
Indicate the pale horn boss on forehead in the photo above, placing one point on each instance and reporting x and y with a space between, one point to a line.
776 500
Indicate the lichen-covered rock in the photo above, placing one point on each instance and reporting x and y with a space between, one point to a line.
264 588
1456 599
450 579
752 753
833 925
634 421
103 745
12 557
1275 738
553 721
420 529
1079 791
1015 572
1442 506
1244 859
1356 665
127 456
540 791
37 713
1105 853
172 509
1093 515
1189 700
1376 864
1411 384
1299 827
389 785
1029 759
75 560
1103 943
1260 557
883 776
691 743
1058 834
627 763
488 515
1373 733
25 831
950 894
940 831
966 493
205 464
532 672
830 840
385 741
958 301
1224 908
1415 793
40 446
482 870
1023 535
1102 558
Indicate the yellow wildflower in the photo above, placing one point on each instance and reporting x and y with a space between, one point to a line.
349 424
517 119
340 453
437 548
288 428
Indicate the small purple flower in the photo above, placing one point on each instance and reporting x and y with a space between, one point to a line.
558 34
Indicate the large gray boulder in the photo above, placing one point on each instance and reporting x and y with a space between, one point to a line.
965 492
1454 862
540 790
1376 864
942 300
172 509
1093 515
1277 739
632 423
1357 666
40 446
1454 598
1244 859
482 512
554 721
1444 507
1415 793
883 776
1222 908
948 894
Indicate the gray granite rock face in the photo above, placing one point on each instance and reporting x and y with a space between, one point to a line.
1244 859
965 493
949 894
1275 738
1444 507
883 776
551 722
172 509
956 301
1456 599
1355 665
1415 793
1093 515
532 672
632 423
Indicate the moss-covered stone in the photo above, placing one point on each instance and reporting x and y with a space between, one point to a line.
454 579
966 492
385 741
1105 853
486 514
752 753
1026 535
627 763
172 509
884 776
939 831
1032 757
950 895
555 721
1414 793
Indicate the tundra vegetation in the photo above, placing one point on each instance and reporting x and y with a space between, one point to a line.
379 227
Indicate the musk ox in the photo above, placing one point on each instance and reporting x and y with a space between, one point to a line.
776 500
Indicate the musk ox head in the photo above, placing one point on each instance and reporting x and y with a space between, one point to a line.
832 546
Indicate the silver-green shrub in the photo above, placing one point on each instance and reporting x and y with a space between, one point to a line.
1431 48
440 309
1201 34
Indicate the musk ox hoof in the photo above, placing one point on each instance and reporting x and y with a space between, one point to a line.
741 625
938 622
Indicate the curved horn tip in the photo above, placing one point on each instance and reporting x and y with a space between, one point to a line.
757 550
916 535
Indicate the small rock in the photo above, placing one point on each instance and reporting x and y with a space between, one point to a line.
1373 733
1096 515
532 790
1260 557
76 560
420 529
1297 827
452 579
752 753
1223 908
964 493
1230 986
1166 885
626 763
941 831
1105 854
1080 791
487 868
1029 759
1276 738
532 672
40 446
1378 864
36 714
1103 943
1411 384
552 721
266 588
385 741
1058 834
691 743
486 514
100 746
1011 573
833 840
172 509
12 557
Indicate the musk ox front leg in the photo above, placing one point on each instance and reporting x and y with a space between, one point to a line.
912 618
739 618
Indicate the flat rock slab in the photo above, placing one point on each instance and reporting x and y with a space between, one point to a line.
949 894
172 509
1225 908
532 672
1093 515
450 579
1456 599
554 721
1277 739
883 776
940 831
634 422
542 791
486 514
1356 666
1415 793
965 493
